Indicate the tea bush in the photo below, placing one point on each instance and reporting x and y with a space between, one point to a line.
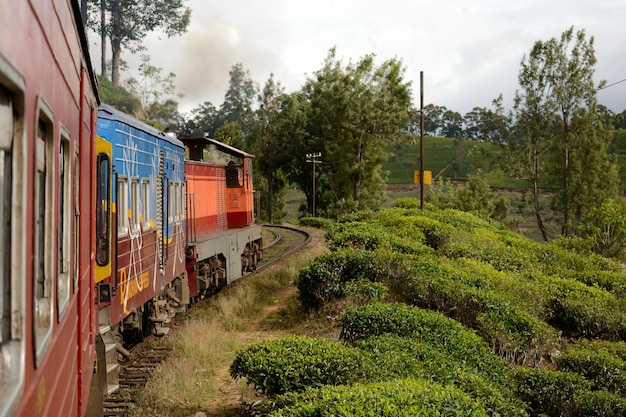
296 363
486 378
317 222
398 398
565 394
584 311
604 369
325 277
548 392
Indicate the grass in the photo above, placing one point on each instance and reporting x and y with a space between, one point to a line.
195 377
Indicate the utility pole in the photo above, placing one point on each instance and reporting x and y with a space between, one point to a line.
312 157
422 140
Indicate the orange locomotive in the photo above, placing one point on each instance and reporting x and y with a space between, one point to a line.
223 243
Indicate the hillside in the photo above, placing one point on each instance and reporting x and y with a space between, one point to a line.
455 159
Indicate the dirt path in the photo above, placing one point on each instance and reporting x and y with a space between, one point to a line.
263 326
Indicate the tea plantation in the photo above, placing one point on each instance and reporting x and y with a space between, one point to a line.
449 314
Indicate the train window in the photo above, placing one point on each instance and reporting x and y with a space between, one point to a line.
6 138
134 205
103 191
63 234
121 206
43 210
145 204
234 175
179 200
171 200
13 188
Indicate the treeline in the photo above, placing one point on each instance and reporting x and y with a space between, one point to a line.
349 114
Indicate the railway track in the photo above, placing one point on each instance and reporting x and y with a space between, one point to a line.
147 356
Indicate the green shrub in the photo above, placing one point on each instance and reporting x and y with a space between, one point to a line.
586 312
325 277
550 392
604 369
398 398
599 404
605 227
317 222
485 378
407 203
363 291
296 363
513 333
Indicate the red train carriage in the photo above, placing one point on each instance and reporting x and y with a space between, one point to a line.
223 243
48 103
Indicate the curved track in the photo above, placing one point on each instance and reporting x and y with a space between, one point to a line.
146 356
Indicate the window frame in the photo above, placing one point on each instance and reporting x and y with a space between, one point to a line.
65 206
103 214
145 204
135 208
13 349
121 207
44 236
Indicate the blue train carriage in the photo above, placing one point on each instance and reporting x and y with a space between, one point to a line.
148 283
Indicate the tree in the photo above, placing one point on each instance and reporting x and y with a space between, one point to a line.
157 95
433 119
356 111
276 137
488 125
130 21
560 138
203 121
452 124
118 97
239 99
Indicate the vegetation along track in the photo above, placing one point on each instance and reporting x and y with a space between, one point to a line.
146 356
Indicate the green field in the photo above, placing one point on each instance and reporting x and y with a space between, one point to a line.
455 159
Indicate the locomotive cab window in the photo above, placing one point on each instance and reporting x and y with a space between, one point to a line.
43 225
234 175
103 197
13 229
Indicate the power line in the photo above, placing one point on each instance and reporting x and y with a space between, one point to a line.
611 85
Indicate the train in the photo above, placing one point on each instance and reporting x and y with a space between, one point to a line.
111 227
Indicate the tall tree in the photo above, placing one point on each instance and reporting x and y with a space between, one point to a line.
356 111
276 136
239 99
129 21
561 139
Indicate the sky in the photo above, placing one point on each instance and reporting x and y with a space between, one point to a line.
468 50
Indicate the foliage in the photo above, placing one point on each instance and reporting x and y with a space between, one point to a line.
602 363
605 227
118 97
130 21
550 392
324 279
559 133
295 363
238 102
354 112
401 397
276 133
317 222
